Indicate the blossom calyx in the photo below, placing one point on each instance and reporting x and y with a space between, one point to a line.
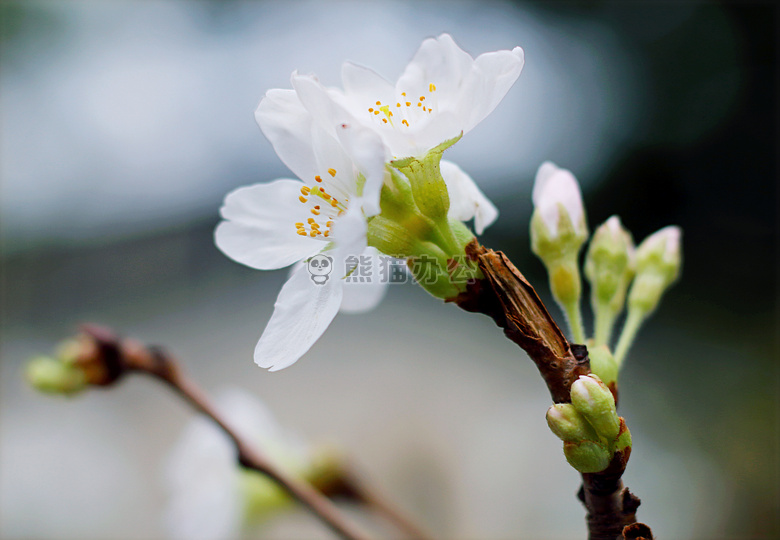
658 261
595 402
428 187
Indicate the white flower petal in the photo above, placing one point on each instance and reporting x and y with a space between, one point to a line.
320 103
302 312
554 186
202 479
369 154
438 61
360 297
492 75
362 84
287 125
259 230
466 200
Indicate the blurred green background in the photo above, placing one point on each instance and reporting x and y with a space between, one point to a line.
123 124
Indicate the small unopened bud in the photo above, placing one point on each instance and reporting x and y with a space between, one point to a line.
558 230
587 456
603 364
558 226
568 424
54 376
609 263
595 402
658 261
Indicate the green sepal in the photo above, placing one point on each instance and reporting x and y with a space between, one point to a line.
428 187
587 456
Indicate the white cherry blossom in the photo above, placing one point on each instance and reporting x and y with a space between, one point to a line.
442 93
273 225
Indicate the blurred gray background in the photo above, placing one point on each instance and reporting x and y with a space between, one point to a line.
123 124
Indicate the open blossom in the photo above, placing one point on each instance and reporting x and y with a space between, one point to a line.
210 496
323 215
273 225
442 93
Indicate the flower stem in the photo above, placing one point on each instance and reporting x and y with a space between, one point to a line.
605 319
630 329
574 318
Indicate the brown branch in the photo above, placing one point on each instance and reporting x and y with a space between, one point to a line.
506 296
346 482
112 358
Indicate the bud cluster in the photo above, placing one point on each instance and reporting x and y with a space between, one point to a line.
619 274
589 426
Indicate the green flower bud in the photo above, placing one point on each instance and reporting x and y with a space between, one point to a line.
54 376
658 261
262 497
595 402
603 364
609 264
568 424
587 456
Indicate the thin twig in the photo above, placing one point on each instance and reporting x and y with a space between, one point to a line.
120 357
506 296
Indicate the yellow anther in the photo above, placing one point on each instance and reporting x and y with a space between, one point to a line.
313 234
334 203
397 104
315 211
310 220
325 196
305 190
378 102
408 103
327 233
299 225
404 122
332 172
425 109
301 232
419 104
329 224
431 87
302 199
318 178
422 98
403 93
384 120
376 112
370 109
315 226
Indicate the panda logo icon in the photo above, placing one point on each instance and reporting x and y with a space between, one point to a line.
320 267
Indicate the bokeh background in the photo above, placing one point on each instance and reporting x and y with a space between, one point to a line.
123 124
